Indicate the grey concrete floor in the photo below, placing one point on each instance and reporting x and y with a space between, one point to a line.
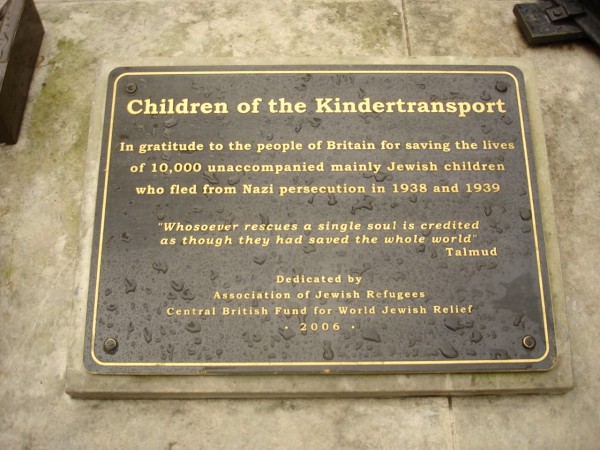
40 198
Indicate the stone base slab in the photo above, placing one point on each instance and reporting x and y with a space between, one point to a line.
82 384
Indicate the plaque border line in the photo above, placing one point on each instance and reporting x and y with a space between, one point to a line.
98 261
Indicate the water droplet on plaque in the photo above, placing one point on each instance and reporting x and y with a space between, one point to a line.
210 177
286 333
130 285
525 213
260 259
193 326
160 267
264 219
171 122
309 248
453 323
315 122
370 334
365 203
327 351
177 285
448 350
147 335
187 295
382 176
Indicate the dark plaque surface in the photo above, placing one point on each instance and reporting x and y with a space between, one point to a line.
317 219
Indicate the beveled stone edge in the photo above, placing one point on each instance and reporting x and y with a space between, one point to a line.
81 384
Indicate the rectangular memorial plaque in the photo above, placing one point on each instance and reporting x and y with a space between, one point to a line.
317 219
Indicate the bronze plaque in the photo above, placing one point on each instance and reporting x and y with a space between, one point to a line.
317 219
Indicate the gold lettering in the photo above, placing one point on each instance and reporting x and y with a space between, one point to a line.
130 109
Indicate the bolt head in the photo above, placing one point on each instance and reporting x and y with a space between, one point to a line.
111 346
501 86
529 342
130 88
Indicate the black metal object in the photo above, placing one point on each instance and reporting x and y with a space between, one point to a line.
164 299
21 34
559 20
